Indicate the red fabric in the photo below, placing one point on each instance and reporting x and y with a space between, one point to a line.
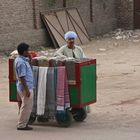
33 54
62 94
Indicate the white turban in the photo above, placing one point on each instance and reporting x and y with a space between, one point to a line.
70 34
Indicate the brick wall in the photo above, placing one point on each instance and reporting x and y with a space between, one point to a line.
104 17
124 14
15 15
17 25
20 20
103 13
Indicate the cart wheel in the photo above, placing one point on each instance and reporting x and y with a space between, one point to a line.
64 119
79 114
32 119
42 119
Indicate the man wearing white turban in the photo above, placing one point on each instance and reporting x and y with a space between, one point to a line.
70 49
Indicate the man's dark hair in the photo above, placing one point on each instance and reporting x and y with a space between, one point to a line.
22 47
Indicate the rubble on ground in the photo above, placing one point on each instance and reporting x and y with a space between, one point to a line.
120 34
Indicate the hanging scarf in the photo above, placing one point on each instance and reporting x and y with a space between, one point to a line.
62 94
41 98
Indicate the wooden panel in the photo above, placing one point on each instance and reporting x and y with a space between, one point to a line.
79 27
58 22
55 28
62 16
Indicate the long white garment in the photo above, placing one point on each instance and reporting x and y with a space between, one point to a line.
41 98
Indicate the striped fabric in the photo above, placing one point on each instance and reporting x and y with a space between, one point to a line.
35 75
62 94
50 106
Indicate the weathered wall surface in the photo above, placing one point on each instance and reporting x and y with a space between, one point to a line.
103 14
20 19
124 13
17 25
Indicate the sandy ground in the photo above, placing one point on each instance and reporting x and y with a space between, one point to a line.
116 115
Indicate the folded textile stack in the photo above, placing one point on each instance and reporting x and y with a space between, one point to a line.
14 54
55 62
41 61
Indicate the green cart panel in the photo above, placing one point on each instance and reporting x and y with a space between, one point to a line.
84 92
13 92
88 84
73 92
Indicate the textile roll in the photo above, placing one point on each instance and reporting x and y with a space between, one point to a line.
56 62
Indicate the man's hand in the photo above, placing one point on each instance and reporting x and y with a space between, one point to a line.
25 86
28 93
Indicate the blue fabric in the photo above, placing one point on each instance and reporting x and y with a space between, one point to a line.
23 69
35 75
70 34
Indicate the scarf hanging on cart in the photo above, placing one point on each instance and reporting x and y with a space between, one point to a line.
51 94
62 94
70 68
35 75
41 98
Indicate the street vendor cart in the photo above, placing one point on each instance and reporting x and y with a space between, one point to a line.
81 86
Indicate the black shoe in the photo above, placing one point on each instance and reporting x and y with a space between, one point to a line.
25 128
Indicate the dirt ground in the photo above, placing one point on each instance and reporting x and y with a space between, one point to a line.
116 115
